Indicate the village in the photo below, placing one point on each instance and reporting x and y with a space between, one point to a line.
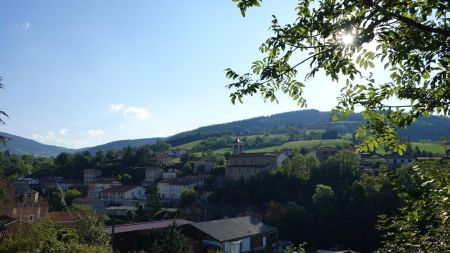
166 197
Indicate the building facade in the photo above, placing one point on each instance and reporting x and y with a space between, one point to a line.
89 176
247 165
153 174
172 188
124 195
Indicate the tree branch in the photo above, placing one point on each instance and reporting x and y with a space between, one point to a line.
422 27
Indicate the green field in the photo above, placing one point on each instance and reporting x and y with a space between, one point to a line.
188 145
303 144
429 147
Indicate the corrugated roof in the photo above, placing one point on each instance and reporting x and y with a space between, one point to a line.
234 228
152 225
249 166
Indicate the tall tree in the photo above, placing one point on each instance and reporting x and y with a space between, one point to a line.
153 202
411 39
423 224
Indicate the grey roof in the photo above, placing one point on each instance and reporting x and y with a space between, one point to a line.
234 228
120 189
249 166
260 154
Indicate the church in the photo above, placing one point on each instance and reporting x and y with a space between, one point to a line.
246 165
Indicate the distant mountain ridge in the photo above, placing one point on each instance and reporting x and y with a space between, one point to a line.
19 145
425 128
22 146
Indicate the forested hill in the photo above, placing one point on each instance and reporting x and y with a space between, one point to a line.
426 128
119 145
19 145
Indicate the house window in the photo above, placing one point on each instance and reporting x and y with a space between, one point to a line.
31 217
257 242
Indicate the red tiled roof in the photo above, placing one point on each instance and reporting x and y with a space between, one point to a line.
65 216
152 225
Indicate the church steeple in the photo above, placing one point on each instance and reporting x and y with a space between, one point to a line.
238 147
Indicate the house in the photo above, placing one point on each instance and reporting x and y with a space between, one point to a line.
395 160
170 174
89 175
124 195
322 153
153 174
204 165
23 184
67 184
161 159
172 188
241 234
370 161
178 153
100 185
29 208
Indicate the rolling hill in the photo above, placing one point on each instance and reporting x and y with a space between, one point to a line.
119 145
20 145
428 129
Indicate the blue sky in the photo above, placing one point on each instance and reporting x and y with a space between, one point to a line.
82 73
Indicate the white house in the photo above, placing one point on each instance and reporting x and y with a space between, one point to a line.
170 174
172 188
125 195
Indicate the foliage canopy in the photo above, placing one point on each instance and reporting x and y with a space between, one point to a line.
412 40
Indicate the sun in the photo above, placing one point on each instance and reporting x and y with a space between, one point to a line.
347 39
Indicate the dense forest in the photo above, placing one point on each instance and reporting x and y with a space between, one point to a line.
337 203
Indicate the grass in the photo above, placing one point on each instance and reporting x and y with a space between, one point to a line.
188 145
303 144
429 147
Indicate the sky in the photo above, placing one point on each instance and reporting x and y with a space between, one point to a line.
83 73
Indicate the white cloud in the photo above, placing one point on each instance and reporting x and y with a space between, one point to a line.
116 107
122 127
93 132
130 111
61 140
24 25
63 131
136 112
